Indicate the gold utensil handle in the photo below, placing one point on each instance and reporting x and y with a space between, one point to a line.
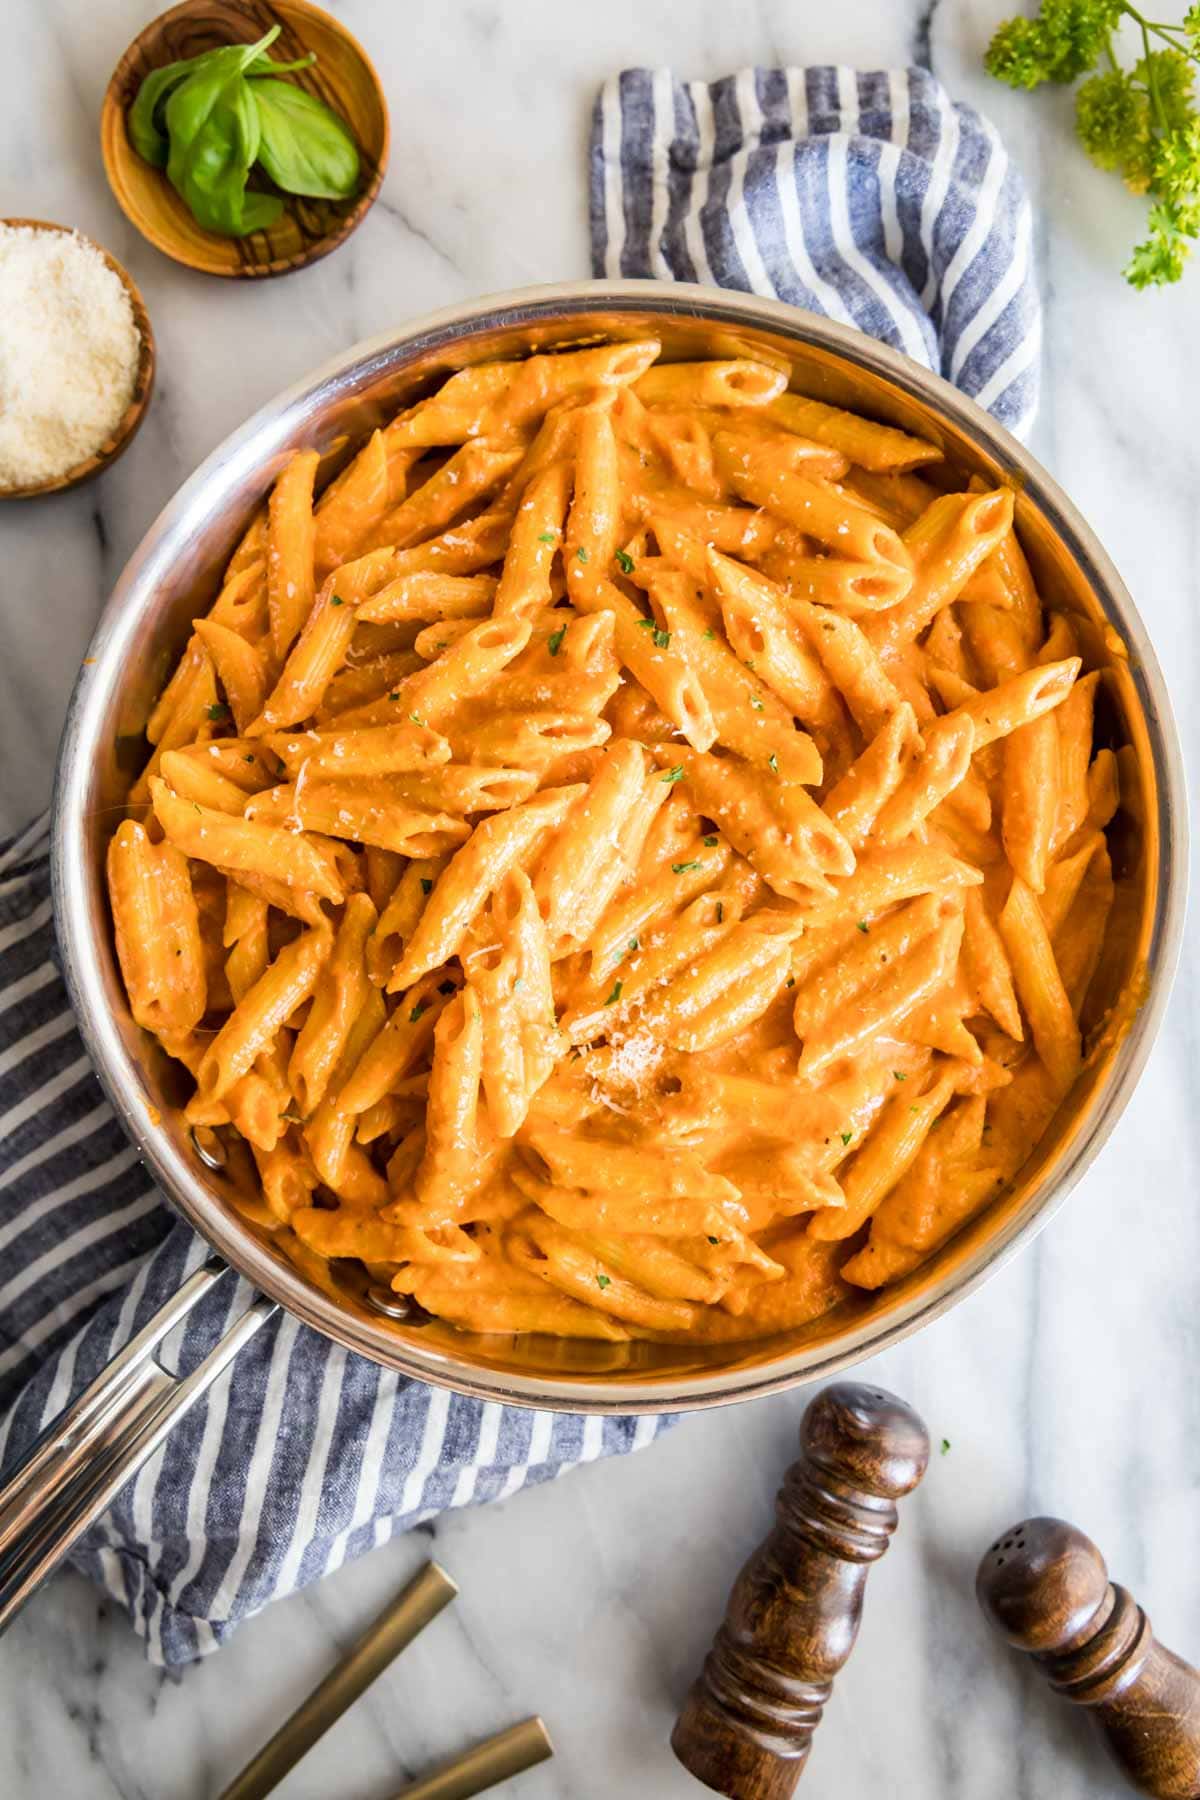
497 1759
383 1640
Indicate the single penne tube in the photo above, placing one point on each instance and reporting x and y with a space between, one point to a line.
932 775
1030 797
536 740
240 667
466 548
537 535
852 588
987 965
1104 788
620 1213
291 538
352 506
473 471
644 649
359 688
247 938
1073 722
428 597
463 669
862 441
946 545
759 438
399 749
594 521
157 930
1039 985
851 665
495 846
194 779
1081 936
367 811
241 845
449 1166
288 981
885 877
738 382
433 639
397 1046
494 981
319 650
398 919
794 857
756 619
462 408
617 1169
241 605
193 665
1016 701
517 918
815 509
340 995
856 801
881 1009
884 1159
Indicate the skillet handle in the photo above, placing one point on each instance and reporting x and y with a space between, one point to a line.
84 1457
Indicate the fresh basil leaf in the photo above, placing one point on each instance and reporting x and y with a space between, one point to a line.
145 120
304 147
212 123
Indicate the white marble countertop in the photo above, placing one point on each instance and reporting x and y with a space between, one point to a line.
1067 1385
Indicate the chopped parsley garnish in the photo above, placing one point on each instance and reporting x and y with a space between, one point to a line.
675 774
683 868
416 718
773 763
750 663
615 995
582 554
624 562
863 926
418 1009
790 982
756 704
218 713
899 1075
393 696
603 1281
336 600
426 885
945 1446
720 912
633 944
713 1240
554 641
248 759
845 1136
710 633
545 537
662 639
711 840
646 624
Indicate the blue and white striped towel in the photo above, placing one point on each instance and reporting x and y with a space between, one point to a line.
867 195
870 197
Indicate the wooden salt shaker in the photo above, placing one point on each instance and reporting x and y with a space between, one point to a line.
793 1615
1045 1588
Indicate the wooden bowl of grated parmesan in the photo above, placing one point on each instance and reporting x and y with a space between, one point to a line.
76 358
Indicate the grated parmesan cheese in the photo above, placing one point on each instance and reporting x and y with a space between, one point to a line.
69 350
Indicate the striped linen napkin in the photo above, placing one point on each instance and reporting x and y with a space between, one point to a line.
870 197
867 195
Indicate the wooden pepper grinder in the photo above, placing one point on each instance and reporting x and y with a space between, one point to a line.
792 1617
1045 1588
